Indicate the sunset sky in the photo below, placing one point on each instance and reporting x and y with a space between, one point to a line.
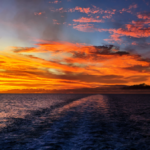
69 44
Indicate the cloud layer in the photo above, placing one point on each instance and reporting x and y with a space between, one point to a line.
78 66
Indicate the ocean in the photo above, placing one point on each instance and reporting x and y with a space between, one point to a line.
74 122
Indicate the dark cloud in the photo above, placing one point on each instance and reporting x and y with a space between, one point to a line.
33 18
104 79
138 78
139 68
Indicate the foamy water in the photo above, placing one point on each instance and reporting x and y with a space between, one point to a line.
74 122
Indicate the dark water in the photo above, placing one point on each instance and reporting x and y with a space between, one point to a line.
74 122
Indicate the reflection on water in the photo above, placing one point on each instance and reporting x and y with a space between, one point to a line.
19 106
74 122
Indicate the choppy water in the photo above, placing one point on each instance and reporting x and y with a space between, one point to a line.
74 122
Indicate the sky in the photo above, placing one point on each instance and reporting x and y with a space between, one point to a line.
71 44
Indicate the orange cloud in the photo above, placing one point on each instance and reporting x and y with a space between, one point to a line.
24 72
56 47
83 66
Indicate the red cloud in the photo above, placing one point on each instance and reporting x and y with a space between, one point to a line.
85 19
143 16
137 29
85 10
114 38
133 6
55 2
133 31
134 43
128 10
130 30
55 22
94 10
38 13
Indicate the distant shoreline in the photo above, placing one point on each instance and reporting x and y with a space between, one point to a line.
126 91
116 89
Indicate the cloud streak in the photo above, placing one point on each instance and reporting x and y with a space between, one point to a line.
85 19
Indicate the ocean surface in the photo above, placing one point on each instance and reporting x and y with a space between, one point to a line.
74 122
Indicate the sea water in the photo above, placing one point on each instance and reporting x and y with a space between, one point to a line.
74 122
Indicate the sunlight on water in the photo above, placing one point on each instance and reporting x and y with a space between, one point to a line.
74 122
18 106
94 101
